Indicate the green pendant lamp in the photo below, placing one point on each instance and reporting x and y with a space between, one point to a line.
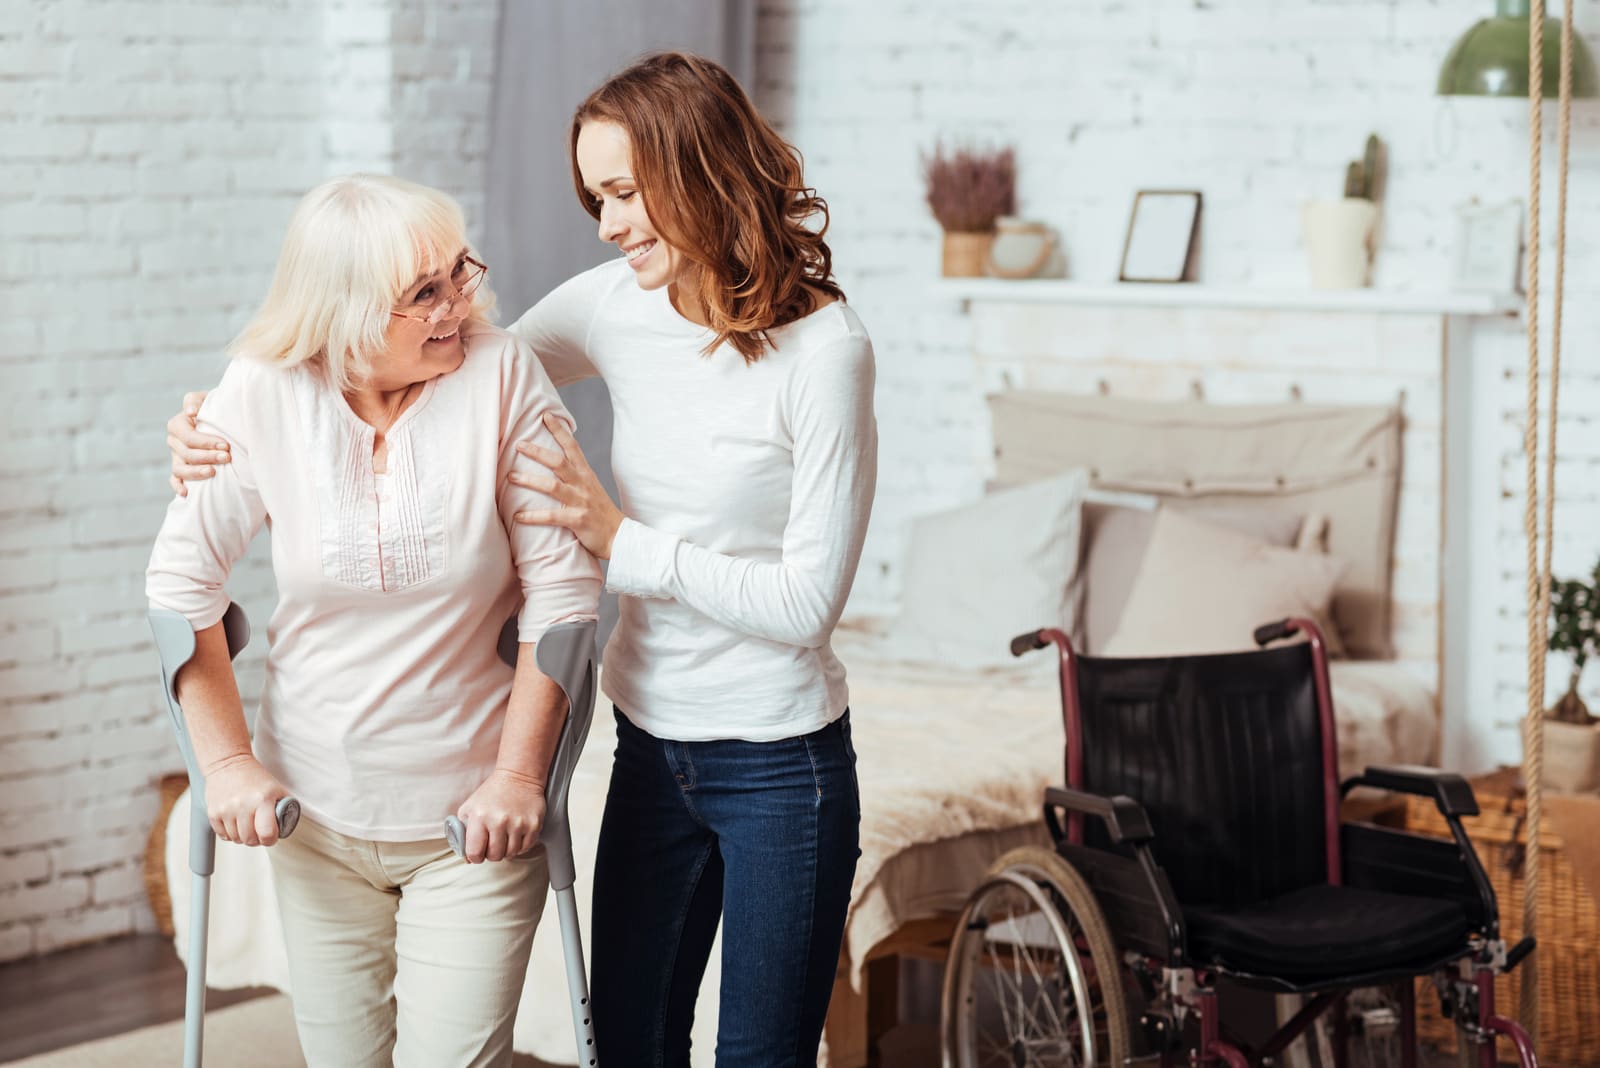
1491 59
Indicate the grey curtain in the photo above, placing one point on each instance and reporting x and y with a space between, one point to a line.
549 56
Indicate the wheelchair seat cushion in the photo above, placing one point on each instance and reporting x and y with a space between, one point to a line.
1325 932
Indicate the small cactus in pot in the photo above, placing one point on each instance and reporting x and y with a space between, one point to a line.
1341 234
1361 177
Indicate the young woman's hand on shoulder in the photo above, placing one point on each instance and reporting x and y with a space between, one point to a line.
584 507
193 453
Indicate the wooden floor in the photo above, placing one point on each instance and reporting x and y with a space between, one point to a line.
105 989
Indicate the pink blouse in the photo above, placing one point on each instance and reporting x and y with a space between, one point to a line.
384 696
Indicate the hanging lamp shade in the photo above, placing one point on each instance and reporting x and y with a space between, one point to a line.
1491 59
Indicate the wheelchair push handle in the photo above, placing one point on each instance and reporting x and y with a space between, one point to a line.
1268 633
1027 643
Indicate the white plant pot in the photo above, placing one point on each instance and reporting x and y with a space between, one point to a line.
1571 757
1339 241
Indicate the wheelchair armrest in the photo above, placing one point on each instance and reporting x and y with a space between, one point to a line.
1449 791
1124 817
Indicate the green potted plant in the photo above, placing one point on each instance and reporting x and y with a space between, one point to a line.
1572 739
969 189
1340 234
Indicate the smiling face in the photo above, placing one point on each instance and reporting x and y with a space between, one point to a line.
606 164
419 349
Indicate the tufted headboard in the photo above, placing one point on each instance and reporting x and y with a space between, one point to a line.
1343 462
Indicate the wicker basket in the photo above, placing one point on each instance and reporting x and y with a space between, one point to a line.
155 853
1569 927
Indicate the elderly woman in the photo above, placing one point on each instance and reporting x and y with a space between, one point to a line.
372 416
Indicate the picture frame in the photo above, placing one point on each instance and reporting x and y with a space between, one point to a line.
1163 228
1488 248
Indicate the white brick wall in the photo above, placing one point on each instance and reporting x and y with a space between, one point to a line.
150 155
1257 102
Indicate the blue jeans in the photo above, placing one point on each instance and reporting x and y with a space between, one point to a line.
764 835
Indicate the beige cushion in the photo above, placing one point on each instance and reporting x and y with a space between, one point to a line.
977 576
1116 530
1204 589
1294 458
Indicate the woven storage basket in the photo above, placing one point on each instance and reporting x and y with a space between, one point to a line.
1569 927
155 853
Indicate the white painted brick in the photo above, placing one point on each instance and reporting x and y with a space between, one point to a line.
87 925
16 941
95 853
31 902
119 885
24 867
357 24
42 220
38 141
28 643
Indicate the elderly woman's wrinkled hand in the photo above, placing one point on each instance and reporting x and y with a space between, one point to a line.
193 453
583 506
241 801
503 817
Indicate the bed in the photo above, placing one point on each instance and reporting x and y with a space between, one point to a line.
954 760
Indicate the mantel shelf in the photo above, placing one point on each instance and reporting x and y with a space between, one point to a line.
1195 295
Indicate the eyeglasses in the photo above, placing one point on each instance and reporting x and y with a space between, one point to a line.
434 301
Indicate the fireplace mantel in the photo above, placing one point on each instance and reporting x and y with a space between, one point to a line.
1196 295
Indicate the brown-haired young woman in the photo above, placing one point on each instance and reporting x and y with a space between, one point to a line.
745 455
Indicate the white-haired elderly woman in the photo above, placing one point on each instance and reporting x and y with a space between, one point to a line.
372 414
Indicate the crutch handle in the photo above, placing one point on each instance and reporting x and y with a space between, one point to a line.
455 832
288 812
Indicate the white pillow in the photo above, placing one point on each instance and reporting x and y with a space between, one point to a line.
1204 589
977 576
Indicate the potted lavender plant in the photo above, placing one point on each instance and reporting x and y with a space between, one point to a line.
968 190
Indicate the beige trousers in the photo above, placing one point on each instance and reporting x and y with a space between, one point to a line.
401 952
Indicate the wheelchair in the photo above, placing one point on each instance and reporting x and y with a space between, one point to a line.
1198 839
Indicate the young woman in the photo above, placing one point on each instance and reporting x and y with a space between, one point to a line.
744 453
372 416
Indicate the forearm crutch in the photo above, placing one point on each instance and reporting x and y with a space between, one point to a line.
565 653
175 644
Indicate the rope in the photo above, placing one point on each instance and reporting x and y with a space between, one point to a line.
1532 725
1539 571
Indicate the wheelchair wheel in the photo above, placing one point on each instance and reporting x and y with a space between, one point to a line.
1033 977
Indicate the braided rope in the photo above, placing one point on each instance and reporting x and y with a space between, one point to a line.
1539 571
1532 727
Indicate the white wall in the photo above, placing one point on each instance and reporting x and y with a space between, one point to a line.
150 154
1259 103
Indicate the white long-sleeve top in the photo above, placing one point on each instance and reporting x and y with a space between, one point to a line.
384 695
747 490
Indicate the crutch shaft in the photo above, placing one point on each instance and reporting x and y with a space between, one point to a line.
577 980
194 1009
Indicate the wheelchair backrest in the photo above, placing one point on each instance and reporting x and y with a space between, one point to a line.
1225 754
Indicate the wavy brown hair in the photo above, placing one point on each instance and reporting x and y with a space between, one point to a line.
722 188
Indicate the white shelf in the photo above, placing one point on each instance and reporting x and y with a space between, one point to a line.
1196 295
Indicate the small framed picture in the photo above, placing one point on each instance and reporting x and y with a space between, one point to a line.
1488 252
1161 236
